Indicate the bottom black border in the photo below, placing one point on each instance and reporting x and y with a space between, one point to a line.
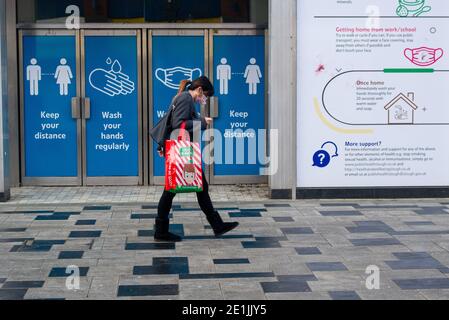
373 193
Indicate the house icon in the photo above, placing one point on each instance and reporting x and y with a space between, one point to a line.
401 110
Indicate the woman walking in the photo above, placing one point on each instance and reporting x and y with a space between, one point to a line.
190 92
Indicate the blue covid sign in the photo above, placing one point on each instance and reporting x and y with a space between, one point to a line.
50 83
112 132
239 63
175 58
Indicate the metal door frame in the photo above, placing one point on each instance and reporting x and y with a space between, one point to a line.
113 181
48 181
218 180
156 180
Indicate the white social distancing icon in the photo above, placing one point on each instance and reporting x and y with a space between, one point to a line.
34 75
224 75
63 76
111 82
253 76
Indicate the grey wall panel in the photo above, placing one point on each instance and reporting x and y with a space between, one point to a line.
282 91
13 102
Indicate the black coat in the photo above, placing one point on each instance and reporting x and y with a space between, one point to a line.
181 110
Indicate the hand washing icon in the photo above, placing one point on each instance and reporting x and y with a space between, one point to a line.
111 82
172 77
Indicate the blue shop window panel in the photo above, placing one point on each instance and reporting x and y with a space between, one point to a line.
175 58
240 85
50 83
112 151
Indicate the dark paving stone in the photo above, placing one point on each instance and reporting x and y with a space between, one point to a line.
339 205
253 210
85 234
97 208
23 284
12 240
57 216
146 216
420 223
72 213
300 278
430 211
415 261
12 294
375 242
143 216
261 244
31 248
340 213
150 207
149 290
12 230
283 219
246 214
226 275
49 242
30 212
162 266
150 246
392 207
231 236
285 287
423 284
371 227
53 218
326 266
381 227
308 251
231 261
145 233
86 222
68 255
305 230
177 229
420 233
344 295
284 238
61 272
277 205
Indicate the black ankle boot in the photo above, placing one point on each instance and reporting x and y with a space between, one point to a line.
161 232
220 227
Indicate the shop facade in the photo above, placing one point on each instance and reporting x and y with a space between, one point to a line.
88 80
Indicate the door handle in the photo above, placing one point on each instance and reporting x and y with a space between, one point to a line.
76 108
86 108
214 107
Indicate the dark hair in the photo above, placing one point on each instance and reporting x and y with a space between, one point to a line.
202 82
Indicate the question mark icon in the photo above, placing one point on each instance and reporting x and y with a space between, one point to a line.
321 159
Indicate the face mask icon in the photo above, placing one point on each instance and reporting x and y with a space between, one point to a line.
172 77
423 56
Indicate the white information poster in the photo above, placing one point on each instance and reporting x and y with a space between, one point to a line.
373 93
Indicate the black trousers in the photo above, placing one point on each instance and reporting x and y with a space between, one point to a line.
166 202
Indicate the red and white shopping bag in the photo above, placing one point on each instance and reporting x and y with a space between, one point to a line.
183 170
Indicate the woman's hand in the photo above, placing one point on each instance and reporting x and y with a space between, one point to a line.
209 121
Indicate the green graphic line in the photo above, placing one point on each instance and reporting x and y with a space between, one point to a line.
409 70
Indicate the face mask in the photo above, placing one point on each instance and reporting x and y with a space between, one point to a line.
424 56
203 100
171 78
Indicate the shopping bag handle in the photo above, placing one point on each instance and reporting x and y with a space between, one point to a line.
182 133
